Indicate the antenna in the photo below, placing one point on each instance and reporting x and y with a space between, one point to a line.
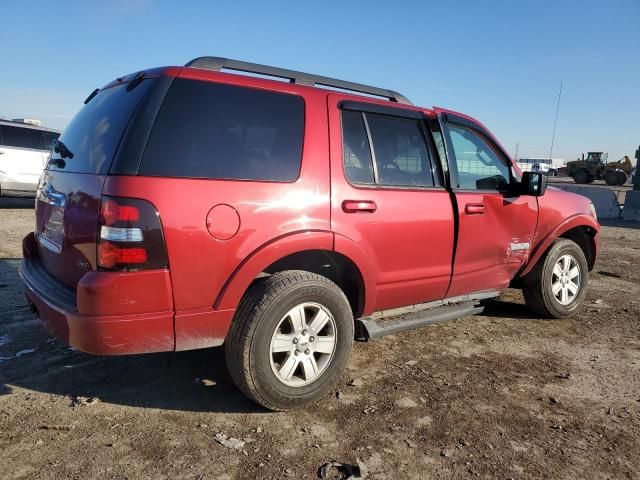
555 123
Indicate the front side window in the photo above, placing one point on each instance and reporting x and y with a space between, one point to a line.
217 131
479 166
398 152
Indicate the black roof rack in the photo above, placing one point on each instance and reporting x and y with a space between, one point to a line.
218 63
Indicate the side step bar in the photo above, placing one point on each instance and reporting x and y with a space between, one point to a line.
409 318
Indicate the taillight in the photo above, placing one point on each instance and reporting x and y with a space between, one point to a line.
130 235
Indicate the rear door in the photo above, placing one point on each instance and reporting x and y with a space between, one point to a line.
496 227
387 197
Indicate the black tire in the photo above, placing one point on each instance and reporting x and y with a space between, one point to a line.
247 347
581 176
537 285
622 177
590 179
611 178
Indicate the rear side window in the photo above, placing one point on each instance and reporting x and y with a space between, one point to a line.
210 130
93 135
358 166
400 150
21 137
397 154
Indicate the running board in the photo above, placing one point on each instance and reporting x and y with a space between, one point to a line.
409 318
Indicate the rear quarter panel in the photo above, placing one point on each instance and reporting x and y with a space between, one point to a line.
202 266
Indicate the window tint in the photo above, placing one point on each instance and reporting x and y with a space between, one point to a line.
94 133
355 146
209 130
479 166
21 137
438 140
401 154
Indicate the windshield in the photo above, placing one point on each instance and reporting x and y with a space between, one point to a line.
89 142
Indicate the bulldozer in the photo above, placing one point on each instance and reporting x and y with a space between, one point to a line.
596 167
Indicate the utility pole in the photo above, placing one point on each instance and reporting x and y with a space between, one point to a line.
515 158
555 124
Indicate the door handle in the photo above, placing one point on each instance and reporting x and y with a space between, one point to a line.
354 206
474 208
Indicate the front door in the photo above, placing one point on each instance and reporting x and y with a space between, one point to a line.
387 199
496 226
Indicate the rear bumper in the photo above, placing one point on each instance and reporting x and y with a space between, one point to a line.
108 314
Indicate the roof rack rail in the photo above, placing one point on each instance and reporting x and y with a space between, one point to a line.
219 63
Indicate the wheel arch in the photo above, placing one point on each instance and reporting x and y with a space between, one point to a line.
310 251
333 265
582 229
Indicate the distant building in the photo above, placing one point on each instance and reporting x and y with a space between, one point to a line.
29 121
533 164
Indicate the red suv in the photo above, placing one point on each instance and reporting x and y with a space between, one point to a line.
186 207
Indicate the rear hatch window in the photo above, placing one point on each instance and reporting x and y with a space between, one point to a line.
92 137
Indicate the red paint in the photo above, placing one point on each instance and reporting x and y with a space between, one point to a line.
407 242
220 235
560 211
223 222
482 260
107 334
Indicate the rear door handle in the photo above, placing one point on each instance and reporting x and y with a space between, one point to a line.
354 206
474 208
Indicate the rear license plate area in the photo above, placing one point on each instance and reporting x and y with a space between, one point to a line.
52 234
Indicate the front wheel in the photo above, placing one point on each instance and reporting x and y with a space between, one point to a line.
581 176
611 178
290 340
557 285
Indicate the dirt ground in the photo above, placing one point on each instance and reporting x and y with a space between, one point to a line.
502 395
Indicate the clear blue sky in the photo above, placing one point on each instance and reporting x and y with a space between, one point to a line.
500 61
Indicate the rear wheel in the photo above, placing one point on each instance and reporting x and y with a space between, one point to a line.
622 177
290 340
581 176
557 285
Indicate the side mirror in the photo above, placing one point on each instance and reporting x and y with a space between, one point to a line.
534 183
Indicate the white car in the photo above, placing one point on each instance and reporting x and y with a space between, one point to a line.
24 151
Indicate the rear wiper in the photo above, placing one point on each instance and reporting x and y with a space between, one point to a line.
135 81
62 149
57 161
91 95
